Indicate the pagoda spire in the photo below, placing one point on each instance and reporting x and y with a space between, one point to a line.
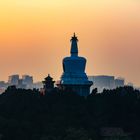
74 46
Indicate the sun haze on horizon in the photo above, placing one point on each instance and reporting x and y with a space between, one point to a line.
35 37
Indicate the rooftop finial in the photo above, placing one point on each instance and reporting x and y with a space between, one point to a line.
74 37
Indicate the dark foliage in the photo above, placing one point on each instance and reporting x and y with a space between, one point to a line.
63 115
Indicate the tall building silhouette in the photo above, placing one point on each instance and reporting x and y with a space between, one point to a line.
74 76
13 79
119 82
27 80
102 82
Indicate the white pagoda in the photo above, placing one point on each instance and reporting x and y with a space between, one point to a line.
74 76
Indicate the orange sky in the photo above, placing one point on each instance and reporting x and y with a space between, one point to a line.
35 34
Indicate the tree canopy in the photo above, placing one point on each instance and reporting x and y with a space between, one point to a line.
63 115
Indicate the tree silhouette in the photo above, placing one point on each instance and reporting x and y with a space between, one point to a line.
64 115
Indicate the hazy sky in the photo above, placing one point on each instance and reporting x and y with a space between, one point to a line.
35 34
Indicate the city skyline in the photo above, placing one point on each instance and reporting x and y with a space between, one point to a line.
19 77
34 37
25 81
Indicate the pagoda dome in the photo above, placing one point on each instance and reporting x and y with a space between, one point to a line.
74 64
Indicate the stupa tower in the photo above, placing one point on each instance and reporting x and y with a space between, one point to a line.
74 75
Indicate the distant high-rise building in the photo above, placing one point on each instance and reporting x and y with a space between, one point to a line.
102 82
13 79
21 84
27 80
119 82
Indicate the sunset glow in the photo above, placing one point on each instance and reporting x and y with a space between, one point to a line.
35 36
